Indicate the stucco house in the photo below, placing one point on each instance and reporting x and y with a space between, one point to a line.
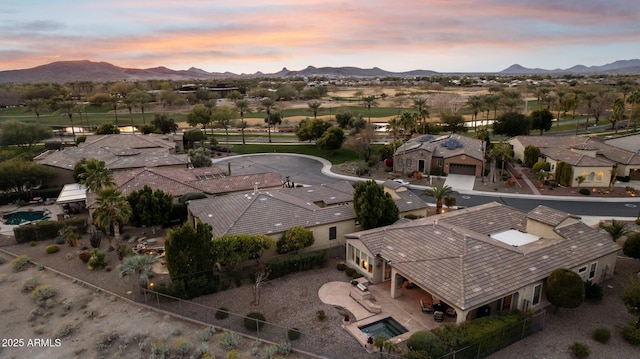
453 154
482 259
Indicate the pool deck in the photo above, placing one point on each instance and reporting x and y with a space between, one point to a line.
405 309
7 229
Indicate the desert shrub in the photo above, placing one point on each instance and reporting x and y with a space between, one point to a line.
284 347
84 256
206 333
293 334
585 192
425 341
64 330
356 275
350 272
222 313
106 340
254 321
630 333
2 260
230 340
182 346
233 354
43 292
32 244
541 165
601 335
159 349
52 249
592 290
580 350
20 263
30 284
96 259
202 351
631 246
341 266
270 351
321 315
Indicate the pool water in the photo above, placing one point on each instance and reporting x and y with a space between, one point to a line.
387 327
18 218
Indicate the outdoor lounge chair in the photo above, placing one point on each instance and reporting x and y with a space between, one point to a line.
426 307
438 316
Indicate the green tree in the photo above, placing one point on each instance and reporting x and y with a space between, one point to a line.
531 155
631 246
565 288
111 211
617 113
268 104
193 135
69 107
150 208
223 117
164 124
242 106
37 106
19 175
344 119
475 104
314 106
422 107
200 157
368 102
94 174
453 123
501 150
294 239
140 265
512 124
373 206
189 251
541 119
233 249
25 135
332 139
107 128
439 193
312 130
631 295
428 343
199 115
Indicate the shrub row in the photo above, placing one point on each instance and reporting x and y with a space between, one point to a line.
45 230
26 196
296 263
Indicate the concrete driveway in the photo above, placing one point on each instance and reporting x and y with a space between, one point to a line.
460 182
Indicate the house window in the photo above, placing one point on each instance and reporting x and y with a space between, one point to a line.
592 270
408 162
582 270
333 233
537 290
439 162
399 162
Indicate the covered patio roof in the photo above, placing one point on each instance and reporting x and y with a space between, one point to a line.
73 192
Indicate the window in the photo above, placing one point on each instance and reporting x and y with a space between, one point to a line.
399 162
408 162
333 233
582 270
439 162
592 270
537 290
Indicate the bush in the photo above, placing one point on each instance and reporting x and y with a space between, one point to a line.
601 335
30 284
424 341
64 330
53 145
96 260
631 246
592 290
293 334
222 313
637 221
350 272
182 346
254 321
20 263
321 315
43 292
230 340
580 350
296 263
630 334
341 267
233 354
52 249
84 256
32 244
541 166
2 260
585 192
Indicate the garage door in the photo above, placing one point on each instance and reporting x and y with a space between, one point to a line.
634 175
461 169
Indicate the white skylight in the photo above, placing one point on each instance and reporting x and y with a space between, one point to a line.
514 237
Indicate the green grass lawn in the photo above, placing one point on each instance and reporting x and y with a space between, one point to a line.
335 157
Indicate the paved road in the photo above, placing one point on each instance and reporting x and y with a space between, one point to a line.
307 170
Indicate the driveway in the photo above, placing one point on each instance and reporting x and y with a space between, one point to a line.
460 182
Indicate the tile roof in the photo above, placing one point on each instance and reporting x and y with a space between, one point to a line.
114 158
128 141
466 146
575 158
453 257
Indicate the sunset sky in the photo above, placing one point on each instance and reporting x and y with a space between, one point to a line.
245 36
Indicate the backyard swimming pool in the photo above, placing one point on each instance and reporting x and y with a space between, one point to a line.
22 217
387 327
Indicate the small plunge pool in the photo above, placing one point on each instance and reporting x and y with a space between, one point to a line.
23 217
387 327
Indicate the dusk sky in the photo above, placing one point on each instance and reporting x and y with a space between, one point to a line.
245 36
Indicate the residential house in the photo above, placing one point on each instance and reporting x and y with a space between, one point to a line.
482 259
452 154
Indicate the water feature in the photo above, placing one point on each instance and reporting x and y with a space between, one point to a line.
387 327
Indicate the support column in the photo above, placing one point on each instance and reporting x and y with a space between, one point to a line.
396 284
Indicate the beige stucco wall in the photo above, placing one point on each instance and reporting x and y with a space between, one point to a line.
376 275
463 159
605 173
518 149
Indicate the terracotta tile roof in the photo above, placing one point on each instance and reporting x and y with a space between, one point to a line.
465 146
114 158
574 158
128 141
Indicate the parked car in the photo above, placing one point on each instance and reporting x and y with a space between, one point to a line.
402 182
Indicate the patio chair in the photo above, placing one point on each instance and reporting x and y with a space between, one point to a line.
438 316
426 307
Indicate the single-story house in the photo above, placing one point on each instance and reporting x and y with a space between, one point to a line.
482 259
453 154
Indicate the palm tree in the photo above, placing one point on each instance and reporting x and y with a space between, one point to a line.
476 105
242 106
69 107
369 101
267 104
96 175
617 113
633 99
420 104
439 192
588 97
617 229
314 106
140 265
503 151
37 106
393 127
112 210
130 101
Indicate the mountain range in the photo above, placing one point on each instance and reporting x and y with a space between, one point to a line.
71 71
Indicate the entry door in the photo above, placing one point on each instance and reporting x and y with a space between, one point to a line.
506 302
387 271
421 166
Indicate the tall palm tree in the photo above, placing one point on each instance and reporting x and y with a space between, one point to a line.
617 113
69 107
634 100
588 97
368 102
130 101
314 106
112 210
476 105
242 106
37 106
503 151
439 192
140 265
393 127
96 175
421 105
268 104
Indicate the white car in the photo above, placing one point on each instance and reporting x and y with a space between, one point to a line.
402 182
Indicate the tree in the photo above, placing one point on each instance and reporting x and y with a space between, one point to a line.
634 100
601 103
189 252
107 128
149 208
332 139
421 105
312 130
373 206
223 116
24 135
294 239
111 211
501 150
37 106
233 249
369 101
268 104
541 119
565 288
531 155
191 136
580 180
428 343
164 124
476 104
617 113
439 193
242 106
512 124
200 157
314 106
94 174
140 265
631 295
344 119
631 246
260 276
199 114
68 107
453 123
19 175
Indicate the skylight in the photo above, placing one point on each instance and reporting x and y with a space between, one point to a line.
514 237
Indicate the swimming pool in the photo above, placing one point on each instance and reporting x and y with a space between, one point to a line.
387 327
22 217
